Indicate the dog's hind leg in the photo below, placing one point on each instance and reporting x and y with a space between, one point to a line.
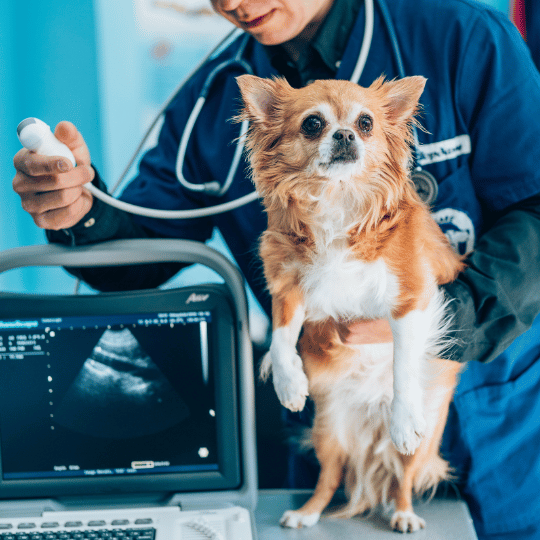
424 468
404 519
332 460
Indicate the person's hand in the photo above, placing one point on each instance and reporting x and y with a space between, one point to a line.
51 189
364 332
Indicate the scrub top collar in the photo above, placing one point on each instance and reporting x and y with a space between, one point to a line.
332 38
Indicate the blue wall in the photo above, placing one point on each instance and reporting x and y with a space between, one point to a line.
47 69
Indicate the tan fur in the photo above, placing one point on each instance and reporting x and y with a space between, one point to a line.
378 217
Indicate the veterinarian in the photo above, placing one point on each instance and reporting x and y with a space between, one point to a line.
481 111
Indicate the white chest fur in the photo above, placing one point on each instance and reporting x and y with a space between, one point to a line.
336 284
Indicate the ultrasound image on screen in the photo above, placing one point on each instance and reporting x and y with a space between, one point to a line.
119 376
96 396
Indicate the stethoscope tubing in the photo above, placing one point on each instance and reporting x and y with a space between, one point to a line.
213 188
396 49
172 214
231 36
369 24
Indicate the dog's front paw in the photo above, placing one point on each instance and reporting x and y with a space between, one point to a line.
290 383
407 522
295 520
291 387
407 427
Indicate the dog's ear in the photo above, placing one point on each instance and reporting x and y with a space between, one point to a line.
402 97
260 97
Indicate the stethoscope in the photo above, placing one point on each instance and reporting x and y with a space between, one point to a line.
425 183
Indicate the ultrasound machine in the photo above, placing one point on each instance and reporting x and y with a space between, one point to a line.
127 415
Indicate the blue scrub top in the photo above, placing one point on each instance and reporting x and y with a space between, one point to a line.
480 144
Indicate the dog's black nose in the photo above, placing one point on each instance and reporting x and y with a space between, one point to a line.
344 135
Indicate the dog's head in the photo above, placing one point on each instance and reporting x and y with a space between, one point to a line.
308 142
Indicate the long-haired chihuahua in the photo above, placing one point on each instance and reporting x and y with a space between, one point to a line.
349 240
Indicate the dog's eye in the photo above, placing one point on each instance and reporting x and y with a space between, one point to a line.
365 123
313 125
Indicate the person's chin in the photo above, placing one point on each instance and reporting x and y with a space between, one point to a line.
271 30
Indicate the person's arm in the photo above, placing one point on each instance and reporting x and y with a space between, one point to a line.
52 192
497 297
102 223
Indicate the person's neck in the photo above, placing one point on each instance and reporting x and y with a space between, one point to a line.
296 47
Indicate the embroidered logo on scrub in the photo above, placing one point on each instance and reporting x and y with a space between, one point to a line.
458 228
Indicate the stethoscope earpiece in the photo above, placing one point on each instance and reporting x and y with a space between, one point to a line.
425 184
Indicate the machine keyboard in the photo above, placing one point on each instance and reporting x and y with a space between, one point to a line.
153 523
97 534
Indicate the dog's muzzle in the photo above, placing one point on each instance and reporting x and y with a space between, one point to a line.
344 147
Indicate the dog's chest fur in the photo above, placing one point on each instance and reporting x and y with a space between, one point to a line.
337 284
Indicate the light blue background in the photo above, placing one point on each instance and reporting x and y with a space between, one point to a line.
85 61
47 69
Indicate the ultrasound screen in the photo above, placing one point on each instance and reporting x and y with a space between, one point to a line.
110 395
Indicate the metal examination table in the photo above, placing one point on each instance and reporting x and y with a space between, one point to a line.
447 519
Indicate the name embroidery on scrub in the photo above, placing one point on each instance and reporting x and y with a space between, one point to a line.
443 150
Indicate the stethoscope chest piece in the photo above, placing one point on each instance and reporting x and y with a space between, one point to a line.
425 184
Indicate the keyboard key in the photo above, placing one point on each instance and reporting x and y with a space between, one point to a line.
147 534
4 526
141 533
73 524
50 525
26 526
97 523
145 521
